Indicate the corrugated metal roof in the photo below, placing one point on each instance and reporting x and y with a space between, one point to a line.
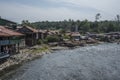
75 34
32 29
8 32
42 31
4 34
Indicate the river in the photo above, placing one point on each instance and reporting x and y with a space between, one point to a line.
100 62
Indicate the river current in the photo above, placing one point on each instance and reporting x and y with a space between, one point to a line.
100 62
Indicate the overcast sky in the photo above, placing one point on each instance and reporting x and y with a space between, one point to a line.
54 10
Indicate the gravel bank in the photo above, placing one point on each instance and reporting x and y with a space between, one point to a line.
24 56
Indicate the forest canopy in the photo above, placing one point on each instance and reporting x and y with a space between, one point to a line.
84 26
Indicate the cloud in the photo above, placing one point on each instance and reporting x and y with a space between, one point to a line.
102 5
60 10
19 12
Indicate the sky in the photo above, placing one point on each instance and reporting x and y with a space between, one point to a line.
58 10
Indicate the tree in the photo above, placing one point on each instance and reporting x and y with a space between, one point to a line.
51 38
25 22
118 18
83 26
118 22
97 17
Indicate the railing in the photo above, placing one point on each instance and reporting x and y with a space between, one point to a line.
4 42
4 55
7 42
14 41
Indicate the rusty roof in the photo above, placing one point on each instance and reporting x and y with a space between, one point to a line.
8 32
42 31
75 34
4 34
32 29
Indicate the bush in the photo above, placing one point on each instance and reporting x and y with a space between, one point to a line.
66 37
41 49
52 38
39 41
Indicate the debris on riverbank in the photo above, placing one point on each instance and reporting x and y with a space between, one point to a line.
29 54
59 48
24 56
97 60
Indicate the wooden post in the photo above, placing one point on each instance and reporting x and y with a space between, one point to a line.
18 48
14 47
32 39
0 47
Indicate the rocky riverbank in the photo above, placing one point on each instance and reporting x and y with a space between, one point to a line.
30 54
24 56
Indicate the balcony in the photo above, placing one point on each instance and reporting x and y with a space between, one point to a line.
14 41
4 42
8 42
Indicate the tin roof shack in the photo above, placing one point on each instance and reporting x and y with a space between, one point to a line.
96 36
42 34
75 36
53 32
115 35
31 35
112 36
92 35
9 41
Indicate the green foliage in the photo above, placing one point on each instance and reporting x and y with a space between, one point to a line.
62 31
39 42
97 17
51 38
27 23
45 47
45 41
83 26
66 37
38 50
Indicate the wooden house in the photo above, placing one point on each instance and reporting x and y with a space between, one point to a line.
42 34
9 40
31 35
